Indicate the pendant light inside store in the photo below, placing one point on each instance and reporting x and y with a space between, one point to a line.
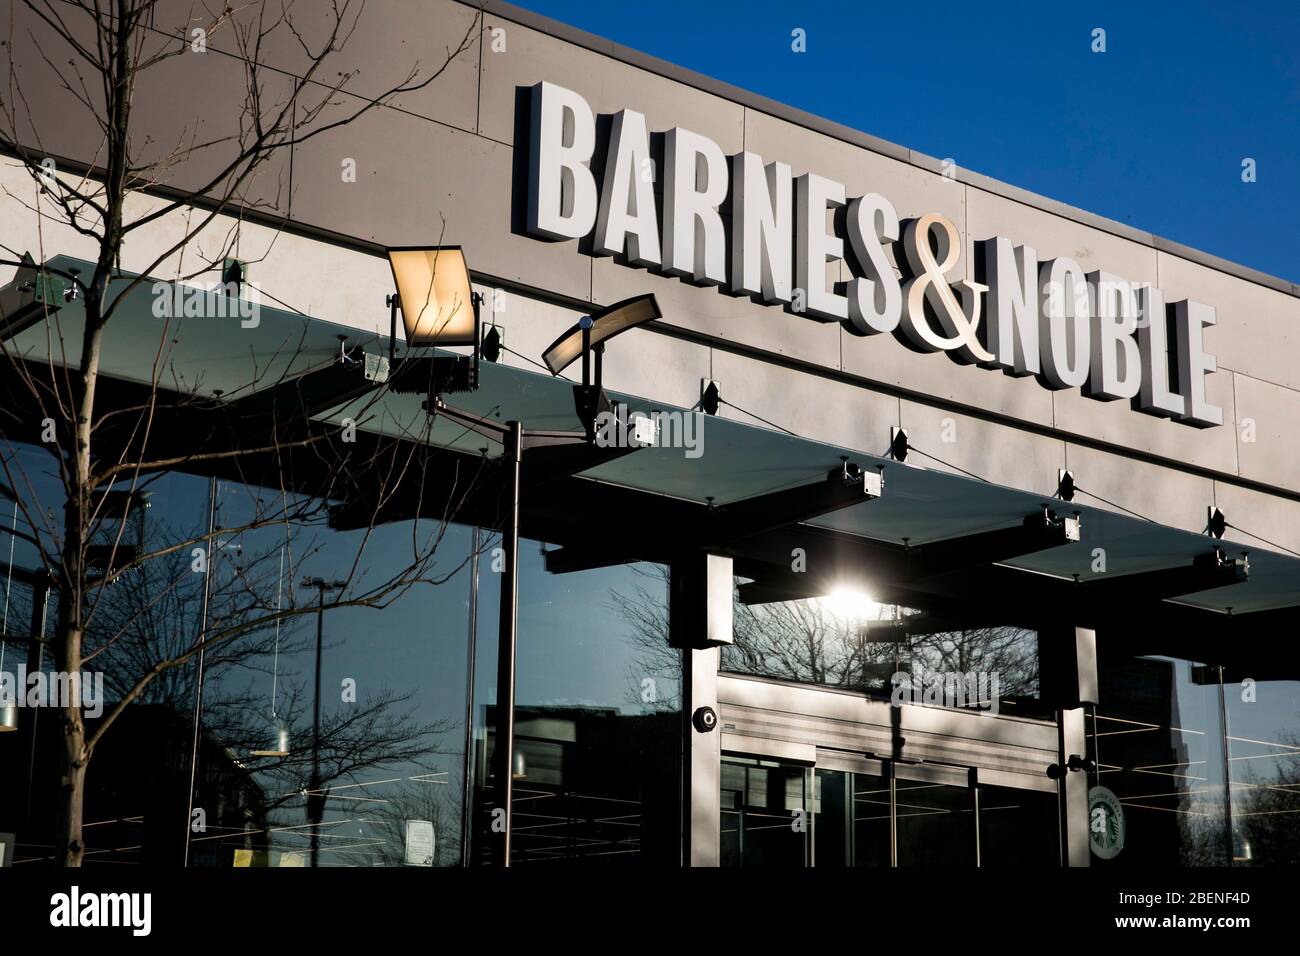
277 744
8 697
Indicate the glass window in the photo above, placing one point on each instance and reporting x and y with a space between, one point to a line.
936 817
134 809
334 712
1019 828
852 819
597 715
1157 738
765 813
1264 769
934 808
887 651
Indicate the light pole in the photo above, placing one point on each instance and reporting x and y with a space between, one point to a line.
439 308
583 341
315 795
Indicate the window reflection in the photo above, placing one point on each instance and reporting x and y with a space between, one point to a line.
597 716
1019 828
378 779
765 808
936 817
851 826
881 648
1264 769
372 777
1158 741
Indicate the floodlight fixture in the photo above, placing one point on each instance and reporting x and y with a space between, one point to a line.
439 308
588 337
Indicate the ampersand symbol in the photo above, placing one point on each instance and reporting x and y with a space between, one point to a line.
929 265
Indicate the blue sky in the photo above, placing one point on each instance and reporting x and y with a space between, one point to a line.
1151 133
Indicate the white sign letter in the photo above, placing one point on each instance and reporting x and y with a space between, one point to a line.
875 299
695 185
561 189
1194 363
1065 320
627 200
815 245
761 230
1116 370
1012 322
1155 397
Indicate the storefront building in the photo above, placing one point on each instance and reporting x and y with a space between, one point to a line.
965 530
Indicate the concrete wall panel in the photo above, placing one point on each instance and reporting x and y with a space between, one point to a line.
1117 422
989 215
1268 444
1258 331
913 191
821 409
713 312
379 46
422 183
997 453
1277 519
1161 494
883 358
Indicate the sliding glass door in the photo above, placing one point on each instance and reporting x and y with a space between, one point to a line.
766 817
850 811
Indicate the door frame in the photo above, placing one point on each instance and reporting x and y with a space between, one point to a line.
823 728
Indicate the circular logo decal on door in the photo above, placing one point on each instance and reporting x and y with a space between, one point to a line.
1106 827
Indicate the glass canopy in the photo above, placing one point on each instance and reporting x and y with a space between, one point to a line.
204 355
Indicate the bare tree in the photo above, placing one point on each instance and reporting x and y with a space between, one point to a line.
104 54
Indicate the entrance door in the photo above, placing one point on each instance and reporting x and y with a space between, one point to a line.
766 812
885 813
846 810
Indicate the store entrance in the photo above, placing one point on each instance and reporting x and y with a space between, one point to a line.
850 811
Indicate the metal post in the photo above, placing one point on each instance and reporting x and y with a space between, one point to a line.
392 333
315 800
35 664
701 760
893 812
504 756
1229 836
471 661
1072 788
586 354
213 487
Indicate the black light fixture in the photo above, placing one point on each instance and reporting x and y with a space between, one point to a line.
439 308
490 350
315 794
1216 524
588 336
710 398
1065 486
898 443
